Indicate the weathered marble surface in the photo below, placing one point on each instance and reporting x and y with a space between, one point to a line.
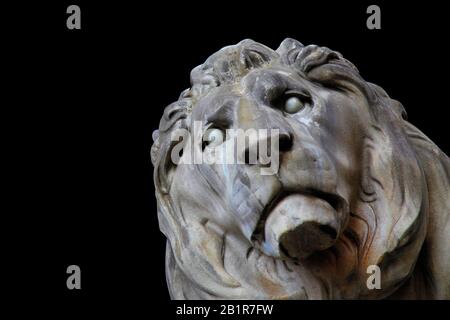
357 185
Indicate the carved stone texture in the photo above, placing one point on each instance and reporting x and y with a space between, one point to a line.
357 185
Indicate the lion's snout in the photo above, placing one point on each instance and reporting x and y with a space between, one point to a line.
300 225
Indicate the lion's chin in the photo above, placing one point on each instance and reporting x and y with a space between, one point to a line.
299 225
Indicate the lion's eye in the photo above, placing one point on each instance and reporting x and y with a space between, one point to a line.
293 105
293 101
213 137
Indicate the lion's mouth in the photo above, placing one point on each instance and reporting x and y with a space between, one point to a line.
296 224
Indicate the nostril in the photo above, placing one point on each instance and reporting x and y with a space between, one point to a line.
255 154
285 142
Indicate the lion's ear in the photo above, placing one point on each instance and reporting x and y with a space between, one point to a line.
173 121
399 109
164 167
393 104
396 107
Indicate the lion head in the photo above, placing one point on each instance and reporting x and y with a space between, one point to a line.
356 185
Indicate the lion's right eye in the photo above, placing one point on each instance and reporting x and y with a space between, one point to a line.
213 137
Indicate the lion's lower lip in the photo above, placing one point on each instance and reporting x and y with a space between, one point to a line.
297 224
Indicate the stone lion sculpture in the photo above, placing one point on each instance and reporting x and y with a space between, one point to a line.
357 185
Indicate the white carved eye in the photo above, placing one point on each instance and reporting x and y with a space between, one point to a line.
213 137
293 105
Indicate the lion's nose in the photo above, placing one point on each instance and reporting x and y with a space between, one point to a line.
260 149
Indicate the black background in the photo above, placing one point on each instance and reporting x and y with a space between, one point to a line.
88 101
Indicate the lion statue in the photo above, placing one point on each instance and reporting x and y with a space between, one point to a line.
358 189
